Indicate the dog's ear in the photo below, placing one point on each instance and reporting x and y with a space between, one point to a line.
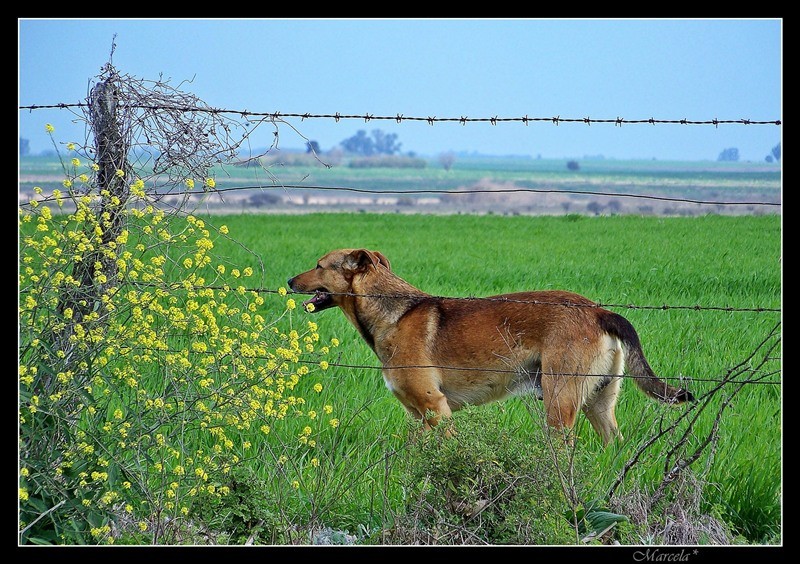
382 260
361 259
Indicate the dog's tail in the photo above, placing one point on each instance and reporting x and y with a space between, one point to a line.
636 364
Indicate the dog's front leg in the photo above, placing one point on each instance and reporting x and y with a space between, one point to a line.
418 390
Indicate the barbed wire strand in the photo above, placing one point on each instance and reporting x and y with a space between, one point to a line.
682 378
399 118
490 191
182 193
505 299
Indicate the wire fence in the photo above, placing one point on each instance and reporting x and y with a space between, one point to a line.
444 192
462 120
400 118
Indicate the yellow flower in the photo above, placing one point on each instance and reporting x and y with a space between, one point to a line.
335 342
328 409
224 229
290 304
318 387
76 162
24 472
23 494
49 128
71 147
67 183
281 291
323 364
210 182
189 183
334 423
221 269
119 173
248 271
295 484
142 526
310 307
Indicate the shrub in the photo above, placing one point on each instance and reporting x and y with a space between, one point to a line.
486 484
388 161
148 371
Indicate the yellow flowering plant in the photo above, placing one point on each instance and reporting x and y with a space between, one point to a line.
147 369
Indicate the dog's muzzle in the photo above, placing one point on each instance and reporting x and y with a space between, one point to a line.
320 300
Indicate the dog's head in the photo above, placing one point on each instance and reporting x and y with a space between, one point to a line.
334 275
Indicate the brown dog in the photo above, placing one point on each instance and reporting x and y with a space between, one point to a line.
440 354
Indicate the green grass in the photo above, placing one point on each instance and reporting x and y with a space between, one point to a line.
710 261
706 261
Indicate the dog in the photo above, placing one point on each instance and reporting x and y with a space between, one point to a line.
440 354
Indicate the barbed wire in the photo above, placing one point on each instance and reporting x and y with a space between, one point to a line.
399 118
505 299
570 374
497 191
188 192
682 378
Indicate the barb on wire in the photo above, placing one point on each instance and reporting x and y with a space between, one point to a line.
399 118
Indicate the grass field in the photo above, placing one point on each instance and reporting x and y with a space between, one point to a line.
652 270
707 261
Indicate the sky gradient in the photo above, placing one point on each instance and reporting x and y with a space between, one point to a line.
634 69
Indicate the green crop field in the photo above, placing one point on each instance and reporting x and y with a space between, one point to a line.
707 261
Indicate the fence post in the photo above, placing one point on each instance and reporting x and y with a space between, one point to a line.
111 150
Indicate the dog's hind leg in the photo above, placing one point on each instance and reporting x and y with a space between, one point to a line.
599 410
602 400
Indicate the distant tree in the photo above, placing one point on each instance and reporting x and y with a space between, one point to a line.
359 144
573 165
447 160
379 143
768 158
312 147
385 143
776 151
264 199
731 155
25 148
595 207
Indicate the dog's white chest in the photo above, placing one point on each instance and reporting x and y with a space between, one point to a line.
388 382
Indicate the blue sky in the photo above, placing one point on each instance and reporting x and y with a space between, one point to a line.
634 69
